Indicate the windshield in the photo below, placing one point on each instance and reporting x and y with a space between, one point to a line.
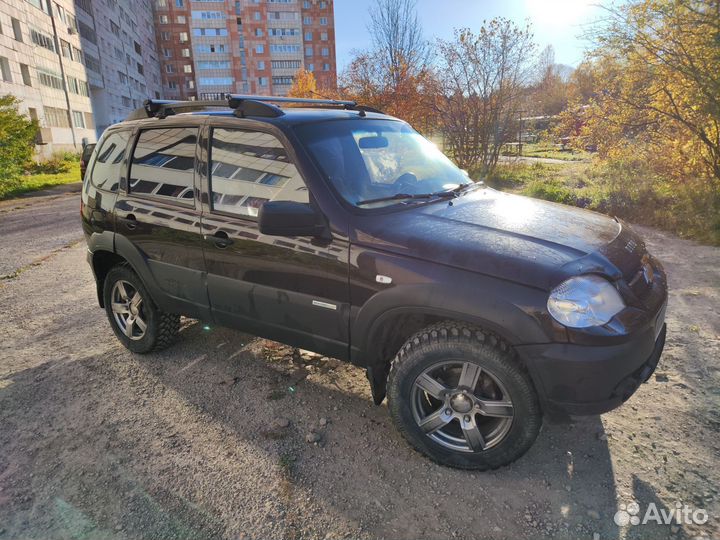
380 159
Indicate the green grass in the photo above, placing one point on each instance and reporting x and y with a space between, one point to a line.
547 150
35 182
618 190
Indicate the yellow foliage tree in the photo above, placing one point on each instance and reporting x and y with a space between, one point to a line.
304 85
657 85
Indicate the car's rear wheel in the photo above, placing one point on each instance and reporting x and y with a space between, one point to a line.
136 320
459 396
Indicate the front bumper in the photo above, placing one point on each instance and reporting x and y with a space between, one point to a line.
578 380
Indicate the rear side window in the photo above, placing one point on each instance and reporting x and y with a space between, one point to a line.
248 168
163 165
109 163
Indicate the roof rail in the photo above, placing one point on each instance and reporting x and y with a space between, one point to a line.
234 100
162 108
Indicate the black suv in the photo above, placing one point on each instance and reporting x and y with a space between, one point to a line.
341 230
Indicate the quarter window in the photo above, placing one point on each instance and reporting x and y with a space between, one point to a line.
248 168
109 161
163 164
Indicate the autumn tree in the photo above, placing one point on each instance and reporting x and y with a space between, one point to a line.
549 94
304 85
484 77
657 67
394 75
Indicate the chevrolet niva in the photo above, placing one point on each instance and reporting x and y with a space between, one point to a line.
332 227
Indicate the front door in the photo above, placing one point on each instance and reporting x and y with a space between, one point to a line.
294 290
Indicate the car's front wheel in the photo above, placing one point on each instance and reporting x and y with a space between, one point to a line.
136 320
459 396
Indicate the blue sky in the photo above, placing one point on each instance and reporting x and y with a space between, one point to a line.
555 22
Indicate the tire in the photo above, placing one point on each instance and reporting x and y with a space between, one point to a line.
498 402
158 329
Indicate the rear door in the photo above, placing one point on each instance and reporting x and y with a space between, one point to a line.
158 215
294 290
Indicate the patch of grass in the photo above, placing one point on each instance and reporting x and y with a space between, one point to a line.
547 150
35 182
686 209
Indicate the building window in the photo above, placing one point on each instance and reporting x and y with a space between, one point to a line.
284 80
258 32
55 117
323 5
323 36
306 4
187 68
25 71
179 3
140 68
262 81
308 36
183 37
286 64
163 19
185 53
311 67
181 19
165 36
308 51
5 68
260 49
261 65
167 53
215 81
17 31
49 79
138 48
42 40
78 119
323 21
326 67
209 15
257 16
325 51
169 68
172 85
307 20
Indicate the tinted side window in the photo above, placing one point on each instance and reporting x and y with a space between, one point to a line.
163 164
109 161
248 168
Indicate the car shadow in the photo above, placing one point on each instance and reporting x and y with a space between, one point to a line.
189 443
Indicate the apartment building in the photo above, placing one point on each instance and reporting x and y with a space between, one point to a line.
41 62
78 66
209 48
119 46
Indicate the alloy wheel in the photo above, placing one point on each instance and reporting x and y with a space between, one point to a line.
462 406
128 310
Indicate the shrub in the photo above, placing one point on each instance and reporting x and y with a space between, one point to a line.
17 138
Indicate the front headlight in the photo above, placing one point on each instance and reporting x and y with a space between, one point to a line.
584 301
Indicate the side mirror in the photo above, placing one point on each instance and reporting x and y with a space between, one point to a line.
289 218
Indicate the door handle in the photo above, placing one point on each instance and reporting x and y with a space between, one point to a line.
220 239
131 222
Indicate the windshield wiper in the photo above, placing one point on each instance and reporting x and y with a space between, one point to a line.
436 194
402 196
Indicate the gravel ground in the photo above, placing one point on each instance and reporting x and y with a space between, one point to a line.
229 436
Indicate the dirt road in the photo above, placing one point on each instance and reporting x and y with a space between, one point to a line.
96 442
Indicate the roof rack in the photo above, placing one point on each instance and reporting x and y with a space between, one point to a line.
249 105
243 105
162 108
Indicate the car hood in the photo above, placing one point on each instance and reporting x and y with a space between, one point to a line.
525 240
